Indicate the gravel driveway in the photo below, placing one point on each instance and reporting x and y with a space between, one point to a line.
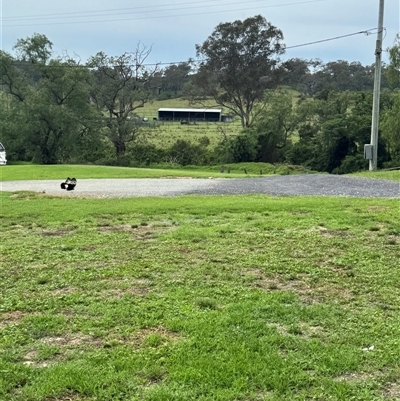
307 184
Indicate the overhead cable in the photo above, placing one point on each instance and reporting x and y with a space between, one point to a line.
157 16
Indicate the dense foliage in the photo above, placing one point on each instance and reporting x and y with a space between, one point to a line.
303 112
240 62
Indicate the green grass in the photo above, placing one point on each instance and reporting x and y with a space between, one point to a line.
165 133
199 298
393 175
62 171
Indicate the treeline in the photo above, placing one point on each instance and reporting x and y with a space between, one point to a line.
56 110
308 77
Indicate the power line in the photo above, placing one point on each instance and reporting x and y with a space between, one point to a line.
365 32
117 11
158 16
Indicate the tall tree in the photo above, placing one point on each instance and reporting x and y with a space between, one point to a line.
295 72
274 124
240 62
175 76
48 100
393 71
391 121
34 49
122 85
64 121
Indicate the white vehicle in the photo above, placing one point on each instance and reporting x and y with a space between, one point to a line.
3 159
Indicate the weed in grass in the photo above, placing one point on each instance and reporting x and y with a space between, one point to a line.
206 303
43 280
374 228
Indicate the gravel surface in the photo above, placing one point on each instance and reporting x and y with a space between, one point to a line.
307 184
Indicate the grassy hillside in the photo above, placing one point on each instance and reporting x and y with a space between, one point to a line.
166 133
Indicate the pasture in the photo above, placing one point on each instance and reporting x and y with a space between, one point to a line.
166 133
199 298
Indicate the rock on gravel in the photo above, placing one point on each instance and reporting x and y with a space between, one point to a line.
290 185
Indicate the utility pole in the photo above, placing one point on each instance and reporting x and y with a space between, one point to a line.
373 161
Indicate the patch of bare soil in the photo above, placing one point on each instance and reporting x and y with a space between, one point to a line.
167 335
69 341
261 396
303 330
11 318
57 233
69 397
392 391
118 227
118 288
277 283
299 213
31 358
393 239
377 208
355 377
88 248
141 232
72 340
333 233
308 294
63 291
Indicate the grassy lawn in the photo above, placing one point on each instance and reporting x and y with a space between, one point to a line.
199 298
393 175
62 171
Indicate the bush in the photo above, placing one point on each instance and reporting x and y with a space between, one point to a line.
351 164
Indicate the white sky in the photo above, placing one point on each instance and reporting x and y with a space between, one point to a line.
85 27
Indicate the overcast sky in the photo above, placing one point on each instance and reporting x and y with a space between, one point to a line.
171 29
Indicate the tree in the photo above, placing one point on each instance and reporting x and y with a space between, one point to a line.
391 122
48 103
64 124
393 71
391 126
175 76
274 124
295 73
122 85
330 129
34 49
240 62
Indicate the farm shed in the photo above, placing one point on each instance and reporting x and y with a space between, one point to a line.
177 114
